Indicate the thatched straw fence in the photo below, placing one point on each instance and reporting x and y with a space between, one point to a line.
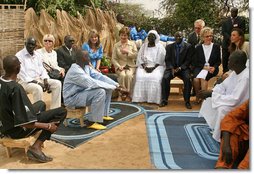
17 24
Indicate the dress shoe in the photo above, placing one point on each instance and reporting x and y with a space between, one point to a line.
163 103
97 126
188 105
48 158
32 155
108 118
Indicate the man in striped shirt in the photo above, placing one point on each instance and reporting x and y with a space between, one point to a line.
84 86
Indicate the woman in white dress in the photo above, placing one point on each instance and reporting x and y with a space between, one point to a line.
151 66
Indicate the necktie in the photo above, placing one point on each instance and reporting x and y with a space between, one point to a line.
177 55
233 21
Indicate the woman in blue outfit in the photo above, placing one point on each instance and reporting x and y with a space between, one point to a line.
94 48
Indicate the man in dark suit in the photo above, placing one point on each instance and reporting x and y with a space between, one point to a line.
194 39
177 65
227 25
65 54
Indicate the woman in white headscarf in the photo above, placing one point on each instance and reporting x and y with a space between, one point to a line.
151 66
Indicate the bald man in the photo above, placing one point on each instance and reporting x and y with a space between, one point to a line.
232 92
84 86
234 148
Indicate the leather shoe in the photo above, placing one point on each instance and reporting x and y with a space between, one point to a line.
38 157
108 118
97 126
48 158
188 105
163 103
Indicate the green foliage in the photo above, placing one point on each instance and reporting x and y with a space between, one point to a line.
247 37
12 2
181 14
187 11
105 61
50 6
135 14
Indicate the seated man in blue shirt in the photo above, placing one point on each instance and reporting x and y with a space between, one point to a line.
84 86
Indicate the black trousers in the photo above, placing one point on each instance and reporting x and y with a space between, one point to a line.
225 56
43 116
165 84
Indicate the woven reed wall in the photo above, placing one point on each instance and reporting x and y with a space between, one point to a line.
11 30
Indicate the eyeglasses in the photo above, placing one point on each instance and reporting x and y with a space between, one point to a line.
208 36
48 41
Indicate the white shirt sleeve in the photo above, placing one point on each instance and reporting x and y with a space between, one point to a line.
231 93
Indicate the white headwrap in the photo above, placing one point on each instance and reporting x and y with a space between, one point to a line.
160 50
156 35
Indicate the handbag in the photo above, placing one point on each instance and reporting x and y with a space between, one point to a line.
52 72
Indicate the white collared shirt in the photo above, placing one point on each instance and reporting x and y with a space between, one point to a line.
70 50
31 66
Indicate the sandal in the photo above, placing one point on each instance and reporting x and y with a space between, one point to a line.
198 101
123 97
123 91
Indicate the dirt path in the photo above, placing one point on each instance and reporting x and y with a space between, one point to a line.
123 147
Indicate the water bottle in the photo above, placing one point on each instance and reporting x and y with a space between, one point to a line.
207 66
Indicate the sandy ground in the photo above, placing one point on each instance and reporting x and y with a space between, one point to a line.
123 147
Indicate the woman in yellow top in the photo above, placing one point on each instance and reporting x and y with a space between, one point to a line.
123 58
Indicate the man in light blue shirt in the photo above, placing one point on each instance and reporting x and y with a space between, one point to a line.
84 86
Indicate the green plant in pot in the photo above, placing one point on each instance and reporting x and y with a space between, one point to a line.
105 64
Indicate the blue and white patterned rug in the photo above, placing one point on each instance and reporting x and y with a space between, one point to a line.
74 135
180 140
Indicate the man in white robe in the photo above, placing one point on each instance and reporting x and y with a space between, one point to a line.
232 92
